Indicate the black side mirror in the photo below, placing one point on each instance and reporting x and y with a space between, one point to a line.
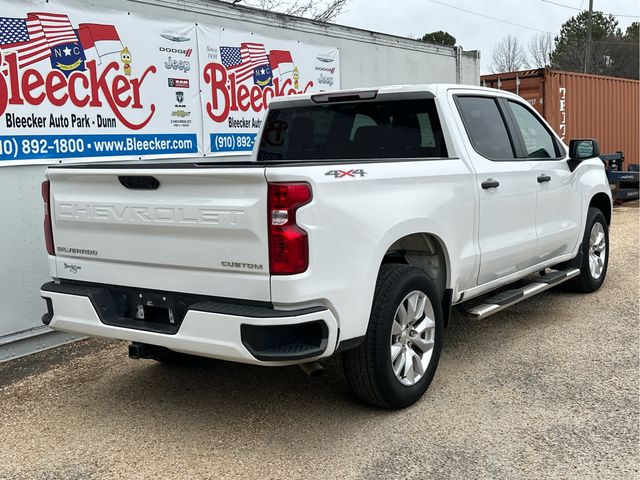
583 148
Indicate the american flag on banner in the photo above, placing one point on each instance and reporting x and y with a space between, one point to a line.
33 37
56 27
244 59
26 38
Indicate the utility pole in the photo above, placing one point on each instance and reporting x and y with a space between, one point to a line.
587 48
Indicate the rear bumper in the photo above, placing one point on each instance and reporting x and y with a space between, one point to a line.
229 331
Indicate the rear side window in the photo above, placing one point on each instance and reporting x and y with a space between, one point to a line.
359 130
485 127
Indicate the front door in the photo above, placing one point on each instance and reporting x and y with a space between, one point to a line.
558 211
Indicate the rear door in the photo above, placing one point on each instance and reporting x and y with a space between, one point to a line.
200 230
506 186
558 211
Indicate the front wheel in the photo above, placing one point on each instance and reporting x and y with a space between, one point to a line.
396 362
594 258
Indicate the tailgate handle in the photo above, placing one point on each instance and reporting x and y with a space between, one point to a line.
139 182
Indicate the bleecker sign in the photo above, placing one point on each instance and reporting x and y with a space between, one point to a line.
227 96
93 89
79 82
242 72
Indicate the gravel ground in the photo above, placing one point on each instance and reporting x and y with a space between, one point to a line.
547 389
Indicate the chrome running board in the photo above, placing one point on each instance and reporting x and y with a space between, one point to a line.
508 298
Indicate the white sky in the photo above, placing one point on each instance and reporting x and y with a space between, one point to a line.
472 32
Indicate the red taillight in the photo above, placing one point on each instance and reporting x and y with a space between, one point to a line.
48 232
288 243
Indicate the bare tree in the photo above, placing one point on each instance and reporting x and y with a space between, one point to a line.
540 49
508 55
320 10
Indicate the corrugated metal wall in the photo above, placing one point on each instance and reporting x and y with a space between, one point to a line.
591 106
581 106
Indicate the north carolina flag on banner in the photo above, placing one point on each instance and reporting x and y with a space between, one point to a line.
98 40
281 60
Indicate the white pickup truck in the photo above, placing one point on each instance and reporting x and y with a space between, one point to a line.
362 217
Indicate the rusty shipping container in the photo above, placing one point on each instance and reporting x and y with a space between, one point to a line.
581 106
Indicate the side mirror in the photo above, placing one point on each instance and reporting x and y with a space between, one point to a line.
583 148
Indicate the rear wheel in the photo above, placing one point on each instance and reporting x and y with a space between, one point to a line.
396 362
594 258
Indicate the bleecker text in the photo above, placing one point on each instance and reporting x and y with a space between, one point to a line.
227 96
82 89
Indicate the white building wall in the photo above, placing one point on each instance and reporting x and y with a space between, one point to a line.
366 59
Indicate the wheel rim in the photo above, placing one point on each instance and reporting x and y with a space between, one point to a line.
412 338
597 250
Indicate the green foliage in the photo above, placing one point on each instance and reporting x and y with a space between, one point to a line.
440 38
611 52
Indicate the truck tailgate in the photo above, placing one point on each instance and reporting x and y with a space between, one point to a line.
202 230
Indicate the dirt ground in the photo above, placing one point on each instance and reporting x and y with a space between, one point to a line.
546 389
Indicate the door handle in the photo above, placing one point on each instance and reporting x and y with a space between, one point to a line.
544 178
490 183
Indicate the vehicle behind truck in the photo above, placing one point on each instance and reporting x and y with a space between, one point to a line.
362 217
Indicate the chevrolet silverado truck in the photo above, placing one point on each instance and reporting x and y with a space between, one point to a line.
360 219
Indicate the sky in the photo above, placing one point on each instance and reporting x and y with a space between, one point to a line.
417 17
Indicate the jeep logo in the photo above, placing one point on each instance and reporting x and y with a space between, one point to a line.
173 64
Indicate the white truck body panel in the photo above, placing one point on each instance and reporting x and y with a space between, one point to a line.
161 241
201 334
487 237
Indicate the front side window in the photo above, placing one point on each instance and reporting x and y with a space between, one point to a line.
485 127
537 139
356 130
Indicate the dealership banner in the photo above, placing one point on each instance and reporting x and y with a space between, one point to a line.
90 83
79 82
242 71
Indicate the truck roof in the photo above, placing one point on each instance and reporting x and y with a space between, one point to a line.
365 93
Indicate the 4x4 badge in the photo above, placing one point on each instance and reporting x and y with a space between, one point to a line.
346 173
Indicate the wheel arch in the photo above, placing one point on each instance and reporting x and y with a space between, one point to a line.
428 252
602 202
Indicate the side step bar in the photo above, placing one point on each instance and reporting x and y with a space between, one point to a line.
511 297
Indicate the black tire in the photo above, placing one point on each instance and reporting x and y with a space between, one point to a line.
368 367
586 282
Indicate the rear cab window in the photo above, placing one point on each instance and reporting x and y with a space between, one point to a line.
394 129
486 127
